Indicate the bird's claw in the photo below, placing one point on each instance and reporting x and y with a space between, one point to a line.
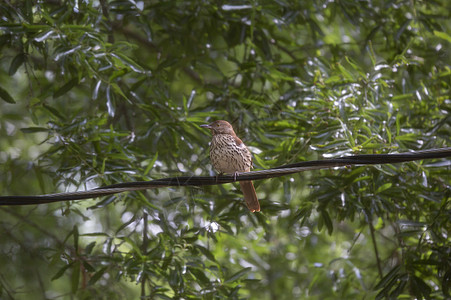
217 176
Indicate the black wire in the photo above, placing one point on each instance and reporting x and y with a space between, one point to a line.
364 159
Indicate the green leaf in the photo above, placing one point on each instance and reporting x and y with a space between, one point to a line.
129 62
75 277
443 35
206 252
389 277
260 162
384 187
54 111
125 224
65 88
345 73
97 276
89 247
38 173
96 234
238 275
151 164
420 289
88 267
17 61
6 96
303 213
402 97
327 221
61 271
75 231
34 129
118 90
412 137
134 246
200 276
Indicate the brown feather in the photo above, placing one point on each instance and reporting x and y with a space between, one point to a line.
228 154
250 196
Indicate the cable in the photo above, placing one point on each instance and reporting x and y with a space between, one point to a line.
364 159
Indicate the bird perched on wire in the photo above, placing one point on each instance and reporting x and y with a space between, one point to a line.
228 154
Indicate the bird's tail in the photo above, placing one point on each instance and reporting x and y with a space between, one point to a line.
250 196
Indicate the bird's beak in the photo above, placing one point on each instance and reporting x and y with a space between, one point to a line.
206 126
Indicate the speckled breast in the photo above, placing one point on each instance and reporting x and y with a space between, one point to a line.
228 157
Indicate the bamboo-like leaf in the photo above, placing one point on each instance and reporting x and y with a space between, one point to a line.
443 35
75 279
65 88
34 129
97 275
61 271
384 187
237 275
17 61
389 277
6 96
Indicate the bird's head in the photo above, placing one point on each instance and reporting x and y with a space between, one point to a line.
220 127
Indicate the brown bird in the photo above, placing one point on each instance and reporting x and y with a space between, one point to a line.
228 154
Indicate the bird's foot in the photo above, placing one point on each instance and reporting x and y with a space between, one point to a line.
217 176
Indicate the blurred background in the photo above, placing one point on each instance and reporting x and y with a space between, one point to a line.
101 92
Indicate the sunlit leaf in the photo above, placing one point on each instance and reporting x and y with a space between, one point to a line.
383 187
443 35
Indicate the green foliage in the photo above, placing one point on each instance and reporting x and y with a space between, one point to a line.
96 93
